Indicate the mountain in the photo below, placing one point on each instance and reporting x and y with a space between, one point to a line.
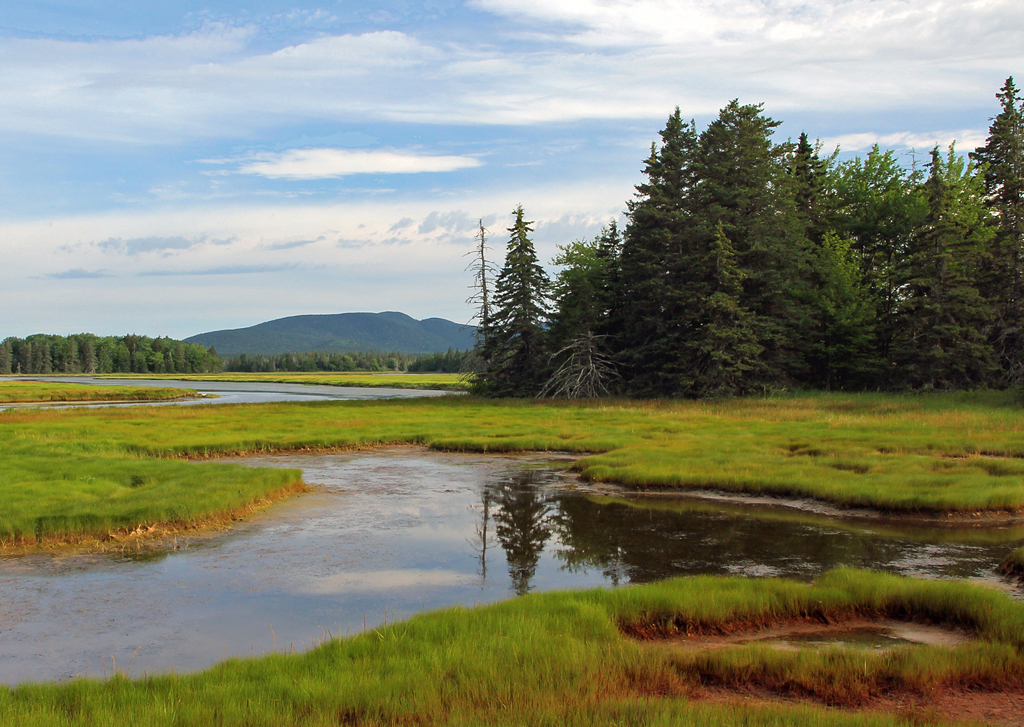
389 331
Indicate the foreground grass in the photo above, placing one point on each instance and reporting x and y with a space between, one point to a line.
563 659
447 382
908 454
43 391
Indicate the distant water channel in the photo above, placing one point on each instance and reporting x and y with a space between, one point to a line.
405 530
234 392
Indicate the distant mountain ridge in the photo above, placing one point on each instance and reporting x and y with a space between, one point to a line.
341 333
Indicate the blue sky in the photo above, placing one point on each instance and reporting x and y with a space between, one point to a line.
172 168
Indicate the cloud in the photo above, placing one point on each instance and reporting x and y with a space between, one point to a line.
457 221
221 270
585 59
292 244
140 245
401 224
79 274
966 140
328 163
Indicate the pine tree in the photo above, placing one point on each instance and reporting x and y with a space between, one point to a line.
515 359
1003 284
941 342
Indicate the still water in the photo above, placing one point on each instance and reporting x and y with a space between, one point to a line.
404 530
235 392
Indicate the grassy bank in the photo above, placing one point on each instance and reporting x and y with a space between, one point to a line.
43 391
566 659
909 454
446 382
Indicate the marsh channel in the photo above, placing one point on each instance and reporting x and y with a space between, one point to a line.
388 533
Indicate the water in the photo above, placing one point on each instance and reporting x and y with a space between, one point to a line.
406 530
233 392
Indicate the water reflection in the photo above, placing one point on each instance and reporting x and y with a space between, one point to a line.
638 540
522 524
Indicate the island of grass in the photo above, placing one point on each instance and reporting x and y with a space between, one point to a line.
72 474
18 392
598 657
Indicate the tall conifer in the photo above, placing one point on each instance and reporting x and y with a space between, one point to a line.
514 354
1003 155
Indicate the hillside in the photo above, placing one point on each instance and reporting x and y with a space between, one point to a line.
341 332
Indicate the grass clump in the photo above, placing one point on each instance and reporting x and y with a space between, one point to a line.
44 391
563 658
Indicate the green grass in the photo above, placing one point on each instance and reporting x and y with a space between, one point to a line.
449 382
43 391
908 454
563 659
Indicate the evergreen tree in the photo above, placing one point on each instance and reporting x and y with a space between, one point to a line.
649 308
941 342
514 355
721 356
1003 283
808 172
744 196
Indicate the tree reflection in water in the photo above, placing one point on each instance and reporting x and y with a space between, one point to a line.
658 538
522 523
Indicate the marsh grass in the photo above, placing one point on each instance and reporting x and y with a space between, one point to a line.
564 658
906 454
43 391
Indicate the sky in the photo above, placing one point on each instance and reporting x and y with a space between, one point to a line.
173 168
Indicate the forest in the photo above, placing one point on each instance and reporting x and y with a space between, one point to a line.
448 362
86 353
749 266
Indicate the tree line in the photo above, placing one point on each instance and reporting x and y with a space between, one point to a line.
748 265
85 353
447 362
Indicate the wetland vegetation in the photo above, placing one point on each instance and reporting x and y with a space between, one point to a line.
589 657
937 454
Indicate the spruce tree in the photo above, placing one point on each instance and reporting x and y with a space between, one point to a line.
941 341
1003 284
721 356
744 196
649 312
515 358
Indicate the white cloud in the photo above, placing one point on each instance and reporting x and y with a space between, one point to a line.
330 163
589 59
966 140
